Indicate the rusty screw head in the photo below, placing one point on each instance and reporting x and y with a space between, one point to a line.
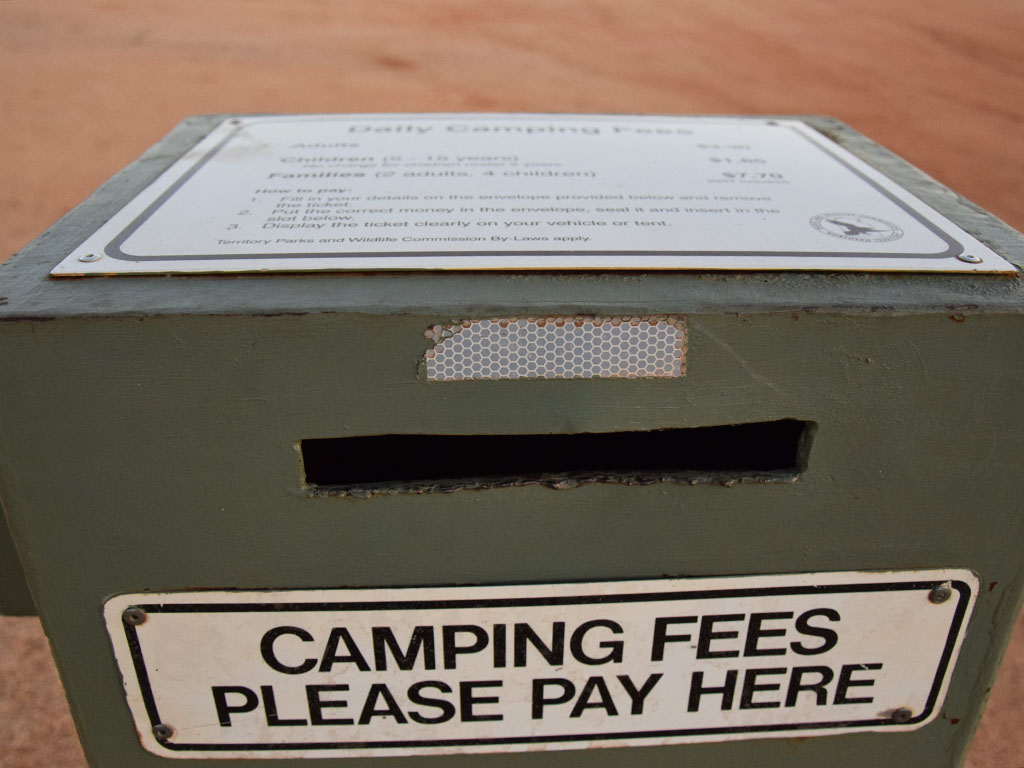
134 616
940 594
902 715
163 732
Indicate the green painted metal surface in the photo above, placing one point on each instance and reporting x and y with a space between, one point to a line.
148 431
15 599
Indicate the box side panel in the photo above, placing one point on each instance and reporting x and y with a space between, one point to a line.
15 599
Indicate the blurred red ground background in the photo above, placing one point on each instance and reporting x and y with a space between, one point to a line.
85 86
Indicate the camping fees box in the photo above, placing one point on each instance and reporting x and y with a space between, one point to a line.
518 440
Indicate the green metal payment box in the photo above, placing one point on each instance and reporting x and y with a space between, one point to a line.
502 440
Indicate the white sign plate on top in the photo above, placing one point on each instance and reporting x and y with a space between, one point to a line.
510 192
446 670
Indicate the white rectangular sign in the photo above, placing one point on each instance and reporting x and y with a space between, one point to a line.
443 670
473 192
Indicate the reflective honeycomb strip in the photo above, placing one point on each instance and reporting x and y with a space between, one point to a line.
558 348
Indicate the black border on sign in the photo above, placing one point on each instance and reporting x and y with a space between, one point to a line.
135 647
114 251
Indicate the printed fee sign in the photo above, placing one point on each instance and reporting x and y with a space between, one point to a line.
284 193
442 670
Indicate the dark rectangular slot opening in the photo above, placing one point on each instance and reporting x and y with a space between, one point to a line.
453 461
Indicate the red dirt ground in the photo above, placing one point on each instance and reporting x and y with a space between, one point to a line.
85 86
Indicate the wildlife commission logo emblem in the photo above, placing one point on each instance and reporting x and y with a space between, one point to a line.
857 226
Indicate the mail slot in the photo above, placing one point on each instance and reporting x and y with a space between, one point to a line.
600 439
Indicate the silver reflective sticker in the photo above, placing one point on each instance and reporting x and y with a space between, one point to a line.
558 348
